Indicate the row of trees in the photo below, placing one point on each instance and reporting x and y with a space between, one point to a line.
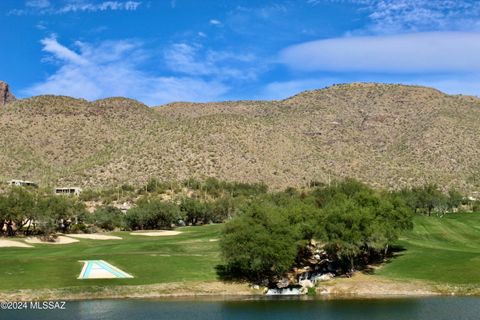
430 200
154 213
31 212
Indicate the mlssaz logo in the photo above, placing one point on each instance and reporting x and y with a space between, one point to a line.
47 305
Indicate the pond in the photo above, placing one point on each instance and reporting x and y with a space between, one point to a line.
459 308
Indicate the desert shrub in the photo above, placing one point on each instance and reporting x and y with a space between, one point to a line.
108 218
194 211
151 213
82 228
127 187
90 195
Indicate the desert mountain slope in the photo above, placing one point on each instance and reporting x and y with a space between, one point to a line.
385 135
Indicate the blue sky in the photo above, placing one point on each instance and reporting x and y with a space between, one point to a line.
206 50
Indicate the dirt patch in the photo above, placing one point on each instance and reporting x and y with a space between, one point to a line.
94 236
162 290
12 243
160 233
374 286
58 240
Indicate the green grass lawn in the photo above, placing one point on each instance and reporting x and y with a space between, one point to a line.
189 256
443 250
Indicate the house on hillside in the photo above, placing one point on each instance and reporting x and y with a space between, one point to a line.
75 191
22 183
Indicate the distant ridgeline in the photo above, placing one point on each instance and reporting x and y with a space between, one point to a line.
388 136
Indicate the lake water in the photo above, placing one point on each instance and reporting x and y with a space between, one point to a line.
435 308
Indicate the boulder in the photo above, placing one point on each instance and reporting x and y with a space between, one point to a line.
324 277
5 95
306 283
283 283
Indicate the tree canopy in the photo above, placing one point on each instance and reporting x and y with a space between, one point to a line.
353 222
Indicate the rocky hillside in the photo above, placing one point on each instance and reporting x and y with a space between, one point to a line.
384 135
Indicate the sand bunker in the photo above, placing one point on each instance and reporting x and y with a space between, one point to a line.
12 243
58 240
94 236
159 233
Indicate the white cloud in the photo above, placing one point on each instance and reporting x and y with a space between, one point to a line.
39 4
41 25
42 7
392 16
399 16
102 6
435 52
113 68
52 46
215 22
194 61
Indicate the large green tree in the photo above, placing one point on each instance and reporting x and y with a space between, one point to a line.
17 209
354 223
260 243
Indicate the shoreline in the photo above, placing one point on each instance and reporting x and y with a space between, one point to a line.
358 287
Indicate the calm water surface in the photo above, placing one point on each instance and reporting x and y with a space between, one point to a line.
458 308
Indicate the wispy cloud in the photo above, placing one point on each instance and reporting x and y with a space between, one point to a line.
193 60
113 68
103 6
263 19
42 7
38 4
60 52
393 16
215 22
403 16
434 52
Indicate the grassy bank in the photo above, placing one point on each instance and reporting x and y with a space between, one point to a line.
443 250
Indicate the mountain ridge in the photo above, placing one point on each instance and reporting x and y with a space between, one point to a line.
386 135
